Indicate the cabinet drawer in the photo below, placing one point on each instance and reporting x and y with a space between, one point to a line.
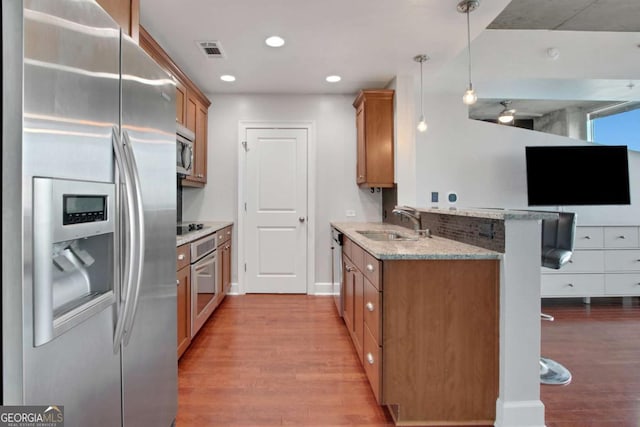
622 260
183 256
357 256
581 262
224 235
372 312
347 247
622 284
621 237
569 285
372 362
589 237
372 269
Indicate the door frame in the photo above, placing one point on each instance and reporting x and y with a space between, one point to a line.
310 127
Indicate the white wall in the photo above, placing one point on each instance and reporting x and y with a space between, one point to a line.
335 165
485 164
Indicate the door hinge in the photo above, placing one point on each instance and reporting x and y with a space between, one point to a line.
245 267
245 146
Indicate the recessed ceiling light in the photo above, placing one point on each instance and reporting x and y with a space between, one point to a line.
274 41
228 78
333 79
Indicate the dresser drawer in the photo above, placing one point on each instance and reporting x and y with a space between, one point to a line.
183 256
622 260
372 269
581 262
622 284
372 362
589 237
372 309
569 285
621 237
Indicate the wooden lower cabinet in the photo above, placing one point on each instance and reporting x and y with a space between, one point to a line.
429 340
224 263
183 281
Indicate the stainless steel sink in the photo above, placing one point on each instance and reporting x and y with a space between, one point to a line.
386 236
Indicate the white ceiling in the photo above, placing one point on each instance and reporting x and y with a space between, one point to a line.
368 42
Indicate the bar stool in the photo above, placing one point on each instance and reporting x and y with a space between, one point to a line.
557 248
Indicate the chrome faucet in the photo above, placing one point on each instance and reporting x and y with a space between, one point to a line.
414 217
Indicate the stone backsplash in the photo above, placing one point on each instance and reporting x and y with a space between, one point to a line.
483 232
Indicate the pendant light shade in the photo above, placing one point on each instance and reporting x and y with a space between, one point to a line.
466 7
422 124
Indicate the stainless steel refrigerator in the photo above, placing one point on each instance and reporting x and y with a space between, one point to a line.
88 218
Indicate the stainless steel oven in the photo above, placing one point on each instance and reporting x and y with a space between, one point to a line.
184 150
205 286
336 268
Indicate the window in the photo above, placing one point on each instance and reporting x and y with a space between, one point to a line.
616 125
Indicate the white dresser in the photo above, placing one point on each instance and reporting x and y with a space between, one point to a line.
605 262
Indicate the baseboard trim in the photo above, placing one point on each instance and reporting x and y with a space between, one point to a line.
521 413
321 288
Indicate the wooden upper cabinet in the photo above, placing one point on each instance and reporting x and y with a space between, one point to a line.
374 124
181 103
197 117
126 13
192 108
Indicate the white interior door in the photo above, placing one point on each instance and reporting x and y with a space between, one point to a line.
276 210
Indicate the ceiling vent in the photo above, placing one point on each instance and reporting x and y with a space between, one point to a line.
211 49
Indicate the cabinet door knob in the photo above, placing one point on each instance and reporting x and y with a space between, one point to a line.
200 175
301 219
178 282
621 237
181 257
370 359
571 261
570 285
587 237
350 269
370 306
370 268
227 247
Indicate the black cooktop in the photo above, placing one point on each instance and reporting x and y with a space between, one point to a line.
187 228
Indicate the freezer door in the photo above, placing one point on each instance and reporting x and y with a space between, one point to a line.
149 359
71 103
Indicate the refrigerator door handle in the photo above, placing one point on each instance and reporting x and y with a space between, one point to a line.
127 278
139 237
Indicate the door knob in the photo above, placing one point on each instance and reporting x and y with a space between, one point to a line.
301 219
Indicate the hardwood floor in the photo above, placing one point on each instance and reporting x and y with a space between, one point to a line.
265 360
600 345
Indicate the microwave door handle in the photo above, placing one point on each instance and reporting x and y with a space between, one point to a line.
127 277
138 237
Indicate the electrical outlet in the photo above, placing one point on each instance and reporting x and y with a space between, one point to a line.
434 197
351 213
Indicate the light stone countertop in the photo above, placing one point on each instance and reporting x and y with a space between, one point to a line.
210 227
492 213
423 248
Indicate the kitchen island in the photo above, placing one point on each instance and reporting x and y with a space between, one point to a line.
469 314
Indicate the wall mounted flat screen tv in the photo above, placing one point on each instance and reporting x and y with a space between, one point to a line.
577 175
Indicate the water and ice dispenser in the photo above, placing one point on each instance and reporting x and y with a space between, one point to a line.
73 253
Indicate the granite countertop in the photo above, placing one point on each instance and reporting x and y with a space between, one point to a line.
492 213
423 248
210 227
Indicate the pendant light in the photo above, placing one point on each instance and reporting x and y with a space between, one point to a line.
466 7
507 115
422 124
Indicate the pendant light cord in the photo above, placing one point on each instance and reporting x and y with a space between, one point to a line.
421 92
469 45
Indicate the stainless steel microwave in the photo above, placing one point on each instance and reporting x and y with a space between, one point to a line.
184 150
